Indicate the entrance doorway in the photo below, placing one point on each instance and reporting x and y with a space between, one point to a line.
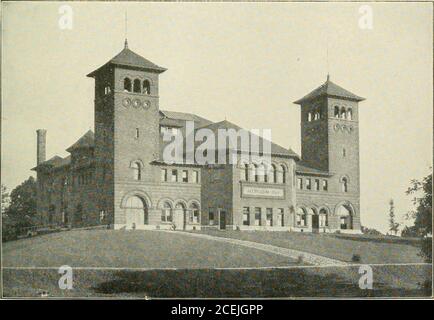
222 220
315 223
179 217
345 214
136 212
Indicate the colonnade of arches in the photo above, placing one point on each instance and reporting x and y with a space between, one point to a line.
273 173
343 113
306 216
137 86
176 212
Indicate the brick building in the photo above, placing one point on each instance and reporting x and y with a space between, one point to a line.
117 175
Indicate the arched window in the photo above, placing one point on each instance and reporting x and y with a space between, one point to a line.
137 170
317 115
336 114
344 152
51 212
343 113
78 213
252 172
266 168
309 116
344 182
136 86
107 89
273 174
301 217
146 87
245 172
283 168
261 173
256 168
195 216
350 114
127 85
323 219
166 212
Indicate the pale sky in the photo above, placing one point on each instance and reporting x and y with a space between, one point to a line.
246 62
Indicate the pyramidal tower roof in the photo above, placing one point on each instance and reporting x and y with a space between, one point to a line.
329 89
128 58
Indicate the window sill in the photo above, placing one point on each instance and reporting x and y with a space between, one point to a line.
182 183
264 183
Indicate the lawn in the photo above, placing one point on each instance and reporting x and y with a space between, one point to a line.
372 251
132 249
106 263
212 283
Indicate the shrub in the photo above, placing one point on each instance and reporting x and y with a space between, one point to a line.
426 249
356 258
300 259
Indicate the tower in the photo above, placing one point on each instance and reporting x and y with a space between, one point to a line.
330 135
126 125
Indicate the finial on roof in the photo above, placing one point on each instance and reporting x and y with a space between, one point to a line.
126 29
328 77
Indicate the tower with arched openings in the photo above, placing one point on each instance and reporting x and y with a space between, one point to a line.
328 172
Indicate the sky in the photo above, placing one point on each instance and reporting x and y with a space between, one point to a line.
244 62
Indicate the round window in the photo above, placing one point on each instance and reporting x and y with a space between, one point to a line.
146 105
126 102
137 103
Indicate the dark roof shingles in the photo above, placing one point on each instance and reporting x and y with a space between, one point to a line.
329 89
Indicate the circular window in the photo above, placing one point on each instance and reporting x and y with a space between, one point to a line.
146 105
137 103
337 126
126 102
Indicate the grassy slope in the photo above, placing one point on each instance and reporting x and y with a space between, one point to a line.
131 249
108 248
208 283
330 246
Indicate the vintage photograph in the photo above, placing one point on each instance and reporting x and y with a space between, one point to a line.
216 150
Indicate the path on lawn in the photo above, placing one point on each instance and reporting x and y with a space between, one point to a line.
309 258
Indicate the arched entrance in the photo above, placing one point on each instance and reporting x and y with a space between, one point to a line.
315 219
136 212
179 216
345 214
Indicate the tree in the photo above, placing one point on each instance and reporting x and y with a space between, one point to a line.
23 200
422 214
5 198
393 226
371 231
20 211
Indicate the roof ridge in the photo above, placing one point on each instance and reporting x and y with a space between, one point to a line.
332 89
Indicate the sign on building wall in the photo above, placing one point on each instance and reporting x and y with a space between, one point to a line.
250 191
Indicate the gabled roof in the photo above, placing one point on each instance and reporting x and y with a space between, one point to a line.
129 58
55 162
174 118
275 148
86 141
303 168
329 89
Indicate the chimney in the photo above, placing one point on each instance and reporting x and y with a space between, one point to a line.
40 145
